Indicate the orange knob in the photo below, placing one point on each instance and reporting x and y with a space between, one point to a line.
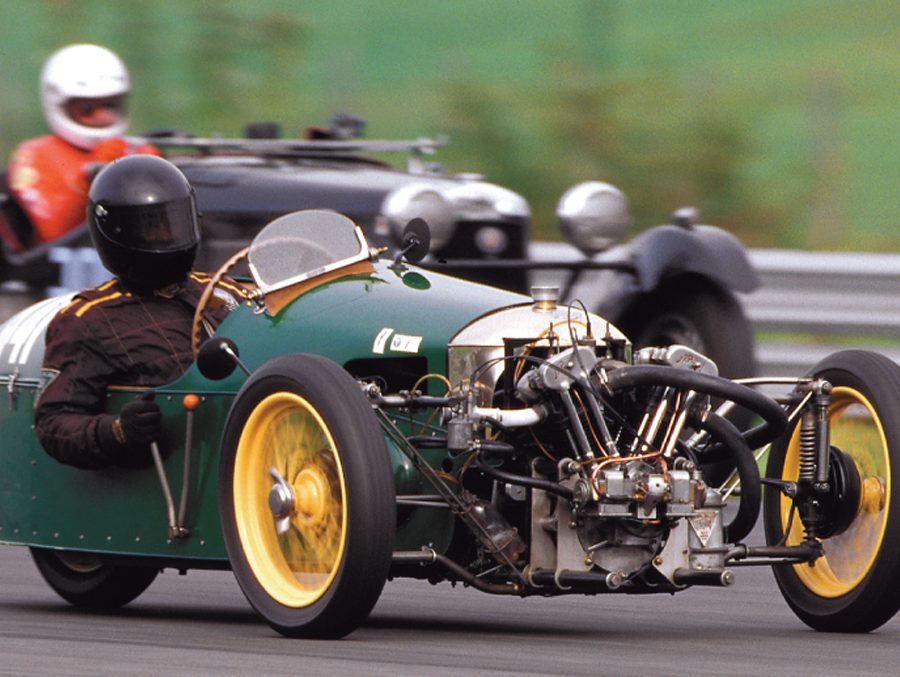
191 402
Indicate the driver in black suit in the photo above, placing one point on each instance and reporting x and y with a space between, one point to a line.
133 330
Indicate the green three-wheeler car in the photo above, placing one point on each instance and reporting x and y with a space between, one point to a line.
359 418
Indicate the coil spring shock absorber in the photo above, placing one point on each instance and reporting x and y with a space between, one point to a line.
807 476
808 447
814 449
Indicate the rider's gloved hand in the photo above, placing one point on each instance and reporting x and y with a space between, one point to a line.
139 421
137 425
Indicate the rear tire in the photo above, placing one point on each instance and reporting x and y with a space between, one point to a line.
853 587
85 580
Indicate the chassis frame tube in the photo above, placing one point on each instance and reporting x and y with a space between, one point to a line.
427 557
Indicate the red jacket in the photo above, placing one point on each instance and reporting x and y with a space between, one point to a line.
49 179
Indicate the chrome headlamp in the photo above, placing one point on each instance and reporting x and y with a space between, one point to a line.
482 201
423 201
443 206
593 216
488 202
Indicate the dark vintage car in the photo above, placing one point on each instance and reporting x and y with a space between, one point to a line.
359 418
674 283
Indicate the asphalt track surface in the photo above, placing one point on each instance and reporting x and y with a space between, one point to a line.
200 624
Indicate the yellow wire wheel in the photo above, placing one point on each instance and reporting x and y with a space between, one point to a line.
849 555
850 587
306 497
286 434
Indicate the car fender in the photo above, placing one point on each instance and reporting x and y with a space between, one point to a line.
663 253
669 251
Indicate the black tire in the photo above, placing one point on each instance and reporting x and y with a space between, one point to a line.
853 587
85 580
694 312
304 416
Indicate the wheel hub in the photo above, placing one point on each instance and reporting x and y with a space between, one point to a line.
281 501
82 563
311 490
847 495
873 495
306 499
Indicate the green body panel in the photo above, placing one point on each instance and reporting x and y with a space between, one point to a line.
342 320
122 510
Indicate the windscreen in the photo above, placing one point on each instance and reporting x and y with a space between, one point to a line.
304 244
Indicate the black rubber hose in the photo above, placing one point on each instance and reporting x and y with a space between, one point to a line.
427 442
524 481
729 437
633 376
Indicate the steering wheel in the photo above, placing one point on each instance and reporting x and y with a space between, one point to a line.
207 294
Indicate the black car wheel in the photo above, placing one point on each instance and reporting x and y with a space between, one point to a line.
86 580
694 313
306 497
853 587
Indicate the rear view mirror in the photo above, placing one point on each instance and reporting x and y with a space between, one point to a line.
416 240
217 358
415 245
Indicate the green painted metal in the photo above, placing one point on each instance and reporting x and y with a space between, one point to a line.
342 319
122 510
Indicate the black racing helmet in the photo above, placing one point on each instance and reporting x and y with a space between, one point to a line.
142 215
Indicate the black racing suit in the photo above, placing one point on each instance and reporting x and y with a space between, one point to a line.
112 336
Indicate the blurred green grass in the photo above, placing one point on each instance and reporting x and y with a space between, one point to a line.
779 120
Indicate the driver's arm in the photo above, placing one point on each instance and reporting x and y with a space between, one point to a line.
47 179
70 420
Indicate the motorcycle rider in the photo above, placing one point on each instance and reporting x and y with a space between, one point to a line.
84 90
133 330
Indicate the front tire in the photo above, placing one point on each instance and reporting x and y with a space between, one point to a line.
853 587
306 497
85 580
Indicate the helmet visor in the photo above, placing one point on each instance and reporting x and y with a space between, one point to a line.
97 112
163 227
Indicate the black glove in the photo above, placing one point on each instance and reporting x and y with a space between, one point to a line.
139 422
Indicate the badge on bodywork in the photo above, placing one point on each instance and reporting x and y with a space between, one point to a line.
400 343
381 340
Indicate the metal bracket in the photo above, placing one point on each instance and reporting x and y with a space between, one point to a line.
457 505
176 527
11 389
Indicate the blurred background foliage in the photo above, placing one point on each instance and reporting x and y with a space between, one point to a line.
778 120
